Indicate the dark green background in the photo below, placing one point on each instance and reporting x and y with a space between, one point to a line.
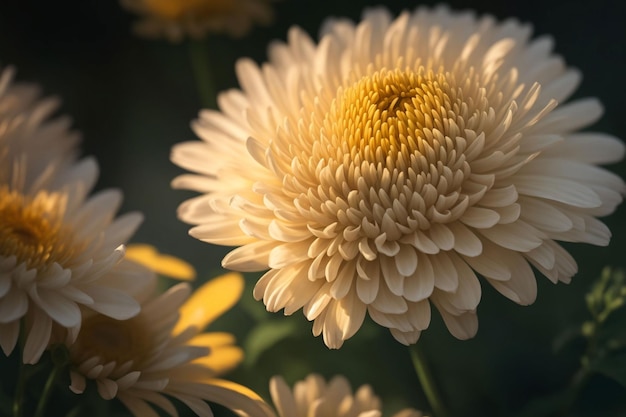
134 98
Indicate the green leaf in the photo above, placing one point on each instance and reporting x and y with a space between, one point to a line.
612 366
264 336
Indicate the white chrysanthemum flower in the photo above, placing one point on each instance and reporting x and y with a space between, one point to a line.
384 168
163 352
175 20
61 251
313 397
27 128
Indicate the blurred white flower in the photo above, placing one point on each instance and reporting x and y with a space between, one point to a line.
175 20
163 352
28 128
60 249
382 169
314 397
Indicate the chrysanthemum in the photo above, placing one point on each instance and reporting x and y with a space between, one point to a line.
384 168
196 18
28 128
60 249
314 397
60 252
163 352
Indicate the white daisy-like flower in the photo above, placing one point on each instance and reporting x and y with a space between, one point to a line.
60 252
28 128
384 168
314 397
175 20
164 352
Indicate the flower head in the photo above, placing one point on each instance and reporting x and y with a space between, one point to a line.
61 250
391 164
28 130
314 397
195 18
163 352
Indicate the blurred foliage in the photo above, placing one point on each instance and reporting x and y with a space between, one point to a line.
133 99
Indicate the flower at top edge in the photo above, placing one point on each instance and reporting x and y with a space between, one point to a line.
164 352
314 397
393 163
175 20
61 249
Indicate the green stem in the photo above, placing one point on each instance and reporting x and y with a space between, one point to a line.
428 383
199 57
18 400
75 412
47 390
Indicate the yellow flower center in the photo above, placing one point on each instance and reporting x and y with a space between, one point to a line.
393 113
393 147
176 9
113 340
31 228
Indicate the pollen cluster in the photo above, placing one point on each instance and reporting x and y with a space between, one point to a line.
30 228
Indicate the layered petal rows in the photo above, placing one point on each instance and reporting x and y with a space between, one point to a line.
384 169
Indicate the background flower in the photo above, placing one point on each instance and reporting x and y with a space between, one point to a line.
195 18
164 352
29 131
314 397
60 249
392 163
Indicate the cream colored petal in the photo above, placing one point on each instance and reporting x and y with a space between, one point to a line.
9 333
522 286
106 388
78 383
462 327
518 236
39 330
238 398
137 406
282 397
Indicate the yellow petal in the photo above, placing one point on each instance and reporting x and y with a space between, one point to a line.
221 359
223 354
213 339
167 265
210 301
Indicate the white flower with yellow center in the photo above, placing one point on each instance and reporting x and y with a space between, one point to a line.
314 397
384 168
163 352
60 252
175 20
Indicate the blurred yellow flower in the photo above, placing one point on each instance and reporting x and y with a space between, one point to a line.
314 397
175 19
162 264
164 352
390 164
